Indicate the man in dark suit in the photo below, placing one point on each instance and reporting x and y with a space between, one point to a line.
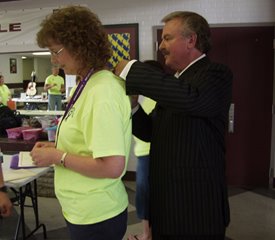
188 191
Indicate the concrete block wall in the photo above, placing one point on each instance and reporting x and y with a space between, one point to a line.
148 14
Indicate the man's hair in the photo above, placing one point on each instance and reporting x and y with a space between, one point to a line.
80 31
193 23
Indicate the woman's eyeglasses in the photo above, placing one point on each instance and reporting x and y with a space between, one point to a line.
56 53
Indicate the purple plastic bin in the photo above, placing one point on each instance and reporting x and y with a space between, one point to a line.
32 134
16 133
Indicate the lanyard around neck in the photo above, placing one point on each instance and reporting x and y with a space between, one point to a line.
74 98
78 91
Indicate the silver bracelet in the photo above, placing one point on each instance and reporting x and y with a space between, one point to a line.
62 160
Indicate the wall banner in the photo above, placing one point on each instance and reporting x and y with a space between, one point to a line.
18 29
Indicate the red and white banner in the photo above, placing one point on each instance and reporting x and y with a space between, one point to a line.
18 29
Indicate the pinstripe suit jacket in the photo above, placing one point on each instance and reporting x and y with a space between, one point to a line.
188 192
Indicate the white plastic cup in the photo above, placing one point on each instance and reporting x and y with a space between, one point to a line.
51 133
23 95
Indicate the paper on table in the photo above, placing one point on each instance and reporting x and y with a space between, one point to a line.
25 160
10 175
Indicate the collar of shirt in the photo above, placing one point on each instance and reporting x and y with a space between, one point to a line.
177 74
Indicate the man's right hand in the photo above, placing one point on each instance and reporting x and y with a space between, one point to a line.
120 66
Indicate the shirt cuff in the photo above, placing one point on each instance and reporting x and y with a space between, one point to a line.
126 69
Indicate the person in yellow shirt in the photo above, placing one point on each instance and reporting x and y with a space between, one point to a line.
5 93
90 153
142 150
54 84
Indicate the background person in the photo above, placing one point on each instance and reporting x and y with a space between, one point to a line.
91 152
188 191
5 93
141 150
54 84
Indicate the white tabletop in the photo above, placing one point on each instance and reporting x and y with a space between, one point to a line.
34 99
41 112
37 172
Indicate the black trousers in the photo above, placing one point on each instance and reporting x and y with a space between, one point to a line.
110 229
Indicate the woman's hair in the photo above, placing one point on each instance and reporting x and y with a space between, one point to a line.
81 32
193 23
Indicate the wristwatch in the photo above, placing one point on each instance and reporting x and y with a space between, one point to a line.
3 189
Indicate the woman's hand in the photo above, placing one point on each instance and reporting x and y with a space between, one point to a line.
44 144
45 154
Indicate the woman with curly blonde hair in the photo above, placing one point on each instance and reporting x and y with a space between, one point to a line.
94 136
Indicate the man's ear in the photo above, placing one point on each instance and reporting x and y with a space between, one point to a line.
192 40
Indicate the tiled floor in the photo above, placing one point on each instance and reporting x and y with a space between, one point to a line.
252 216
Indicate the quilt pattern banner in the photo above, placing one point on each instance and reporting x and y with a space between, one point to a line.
124 42
120 46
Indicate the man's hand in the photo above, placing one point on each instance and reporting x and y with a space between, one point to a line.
120 66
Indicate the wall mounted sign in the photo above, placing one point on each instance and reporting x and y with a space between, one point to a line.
13 65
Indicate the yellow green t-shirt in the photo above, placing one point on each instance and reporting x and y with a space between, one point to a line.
4 94
98 124
142 148
58 80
